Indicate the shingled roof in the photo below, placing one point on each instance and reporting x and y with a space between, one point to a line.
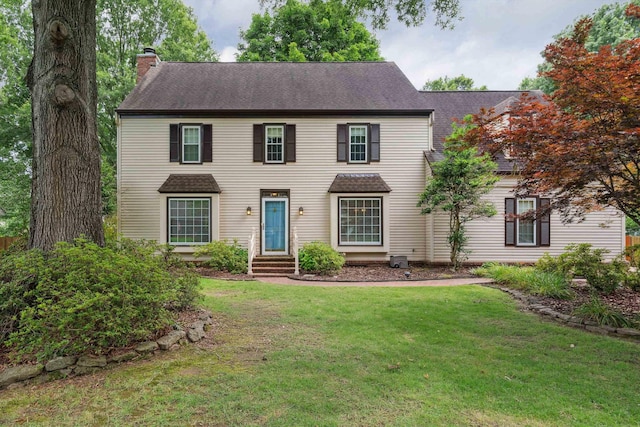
193 183
450 105
359 183
271 87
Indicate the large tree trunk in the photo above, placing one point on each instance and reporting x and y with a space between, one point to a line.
66 154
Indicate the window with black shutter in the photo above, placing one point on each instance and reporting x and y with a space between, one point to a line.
190 143
527 222
358 143
274 143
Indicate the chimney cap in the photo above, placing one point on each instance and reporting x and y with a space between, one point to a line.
149 50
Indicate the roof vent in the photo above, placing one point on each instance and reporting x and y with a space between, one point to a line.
149 50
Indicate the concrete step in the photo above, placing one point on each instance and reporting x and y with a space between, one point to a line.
278 270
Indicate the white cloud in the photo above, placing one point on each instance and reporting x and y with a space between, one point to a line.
497 44
228 54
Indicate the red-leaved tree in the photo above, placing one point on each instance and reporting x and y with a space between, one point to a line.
583 143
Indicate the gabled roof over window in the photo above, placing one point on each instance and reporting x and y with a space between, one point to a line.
192 183
262 88
359 183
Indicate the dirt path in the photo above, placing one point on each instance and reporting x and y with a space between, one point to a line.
393 284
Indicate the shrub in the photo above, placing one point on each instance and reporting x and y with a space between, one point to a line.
599 312
575 261
632 281
224 256
606 277
633 252
81 298
320 258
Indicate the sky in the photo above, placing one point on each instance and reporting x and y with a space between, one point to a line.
497 44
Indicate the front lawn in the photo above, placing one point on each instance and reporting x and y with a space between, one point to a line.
307 356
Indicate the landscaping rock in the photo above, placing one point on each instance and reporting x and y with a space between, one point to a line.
19 373
196 332
170 339
119 358
84 370
60 363
628 332
147 347
92 361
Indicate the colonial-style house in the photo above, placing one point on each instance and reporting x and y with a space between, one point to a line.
278 154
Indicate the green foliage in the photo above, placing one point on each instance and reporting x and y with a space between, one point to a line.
632 228
632 281
300 32
80 297
224 256
461 82
599 312
320 258
582 260
610 26
456 186
123 29
633 252
529 279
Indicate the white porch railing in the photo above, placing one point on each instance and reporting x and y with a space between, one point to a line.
295 250
252 250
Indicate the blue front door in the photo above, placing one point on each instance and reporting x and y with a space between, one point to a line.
275 226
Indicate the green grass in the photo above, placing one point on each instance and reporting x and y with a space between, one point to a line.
314 356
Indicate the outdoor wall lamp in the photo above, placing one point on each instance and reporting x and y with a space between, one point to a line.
300 211
249 210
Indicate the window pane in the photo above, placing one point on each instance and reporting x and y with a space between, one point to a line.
274 144
189 221
526 226
360 221
358 143
191 144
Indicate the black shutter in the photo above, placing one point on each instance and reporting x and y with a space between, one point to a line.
544 224
207 143
342 143
290 135
374 143
174 143
258 143
509 221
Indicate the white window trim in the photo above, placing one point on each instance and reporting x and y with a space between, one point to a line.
535 231
182 144
366 143
380 222
266 144
168 225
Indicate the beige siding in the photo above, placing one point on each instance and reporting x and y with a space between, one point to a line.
603 229
144 165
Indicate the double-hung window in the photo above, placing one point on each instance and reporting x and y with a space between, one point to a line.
189 221
358 144
191 144
360 221
527 222
526 226
274 144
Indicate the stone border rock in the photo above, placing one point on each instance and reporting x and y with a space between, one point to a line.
566 319
68 366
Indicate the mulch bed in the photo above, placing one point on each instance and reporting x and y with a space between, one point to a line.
363 273
623 300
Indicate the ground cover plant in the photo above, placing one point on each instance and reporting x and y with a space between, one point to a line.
320 258
82 298
332 356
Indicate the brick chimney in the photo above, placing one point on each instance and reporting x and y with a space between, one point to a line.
146 60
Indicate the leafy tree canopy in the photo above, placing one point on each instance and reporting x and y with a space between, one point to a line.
410 12
461 82
610 26
123 29
298 32
583 145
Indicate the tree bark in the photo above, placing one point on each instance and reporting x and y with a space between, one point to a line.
66 155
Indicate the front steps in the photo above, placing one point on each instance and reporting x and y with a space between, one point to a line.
273 266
